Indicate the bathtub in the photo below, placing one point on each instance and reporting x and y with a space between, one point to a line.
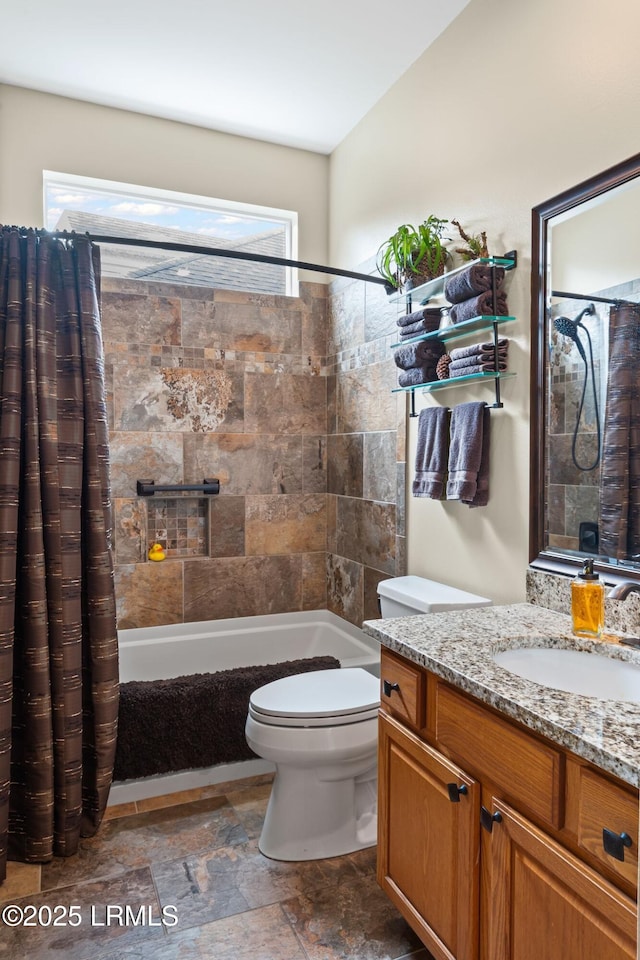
158 653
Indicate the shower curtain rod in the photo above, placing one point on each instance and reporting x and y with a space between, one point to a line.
214 252
583 296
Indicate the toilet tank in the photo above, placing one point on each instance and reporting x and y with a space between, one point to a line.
409 596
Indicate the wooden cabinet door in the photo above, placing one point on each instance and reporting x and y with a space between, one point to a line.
428 842
544 904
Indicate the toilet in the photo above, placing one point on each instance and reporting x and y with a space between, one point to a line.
320 729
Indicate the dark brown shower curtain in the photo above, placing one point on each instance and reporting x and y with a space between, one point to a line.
619 519
58 643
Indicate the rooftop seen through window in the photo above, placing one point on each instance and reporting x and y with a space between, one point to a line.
106 208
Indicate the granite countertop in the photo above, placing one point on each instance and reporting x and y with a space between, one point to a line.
459 647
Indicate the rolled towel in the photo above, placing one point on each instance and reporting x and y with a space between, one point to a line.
477 348
472 281
416 375
465 450
481 496
481 306
417 354
431 453
429 315
467 371
488 357
442 367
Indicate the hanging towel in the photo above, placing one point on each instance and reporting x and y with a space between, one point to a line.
431 453
481 306
470 282
481 497
417 354
465 450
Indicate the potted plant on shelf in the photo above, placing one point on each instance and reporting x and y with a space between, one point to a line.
413 255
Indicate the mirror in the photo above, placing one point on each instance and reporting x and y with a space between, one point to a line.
585 377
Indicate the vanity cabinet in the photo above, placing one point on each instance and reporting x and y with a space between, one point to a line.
490 838
544 902
431 844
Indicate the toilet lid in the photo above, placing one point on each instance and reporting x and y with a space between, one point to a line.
319 698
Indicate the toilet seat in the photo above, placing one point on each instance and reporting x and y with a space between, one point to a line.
321 698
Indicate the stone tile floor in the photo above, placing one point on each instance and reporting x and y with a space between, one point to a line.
194 856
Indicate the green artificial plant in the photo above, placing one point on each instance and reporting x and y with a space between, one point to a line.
413 254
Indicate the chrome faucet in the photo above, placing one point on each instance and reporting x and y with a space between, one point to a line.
619 592
622 590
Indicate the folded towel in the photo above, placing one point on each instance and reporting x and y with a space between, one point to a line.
477 348
470 282
481 306
469 369
431 453
481 497
465 450
416 375
488 357
417 354
430 315
416 329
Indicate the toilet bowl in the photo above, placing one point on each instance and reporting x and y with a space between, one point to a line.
320 729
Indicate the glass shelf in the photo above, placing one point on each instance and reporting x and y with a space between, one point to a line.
456 330
432 288
434 385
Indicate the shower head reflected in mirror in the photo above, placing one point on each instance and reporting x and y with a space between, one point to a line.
569 328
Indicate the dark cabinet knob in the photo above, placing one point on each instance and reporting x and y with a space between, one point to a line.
455 791
388 687
614 843
487 819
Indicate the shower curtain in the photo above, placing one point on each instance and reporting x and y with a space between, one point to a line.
619 519
58 643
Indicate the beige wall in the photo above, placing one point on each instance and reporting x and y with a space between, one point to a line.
43 132
528 99
514 103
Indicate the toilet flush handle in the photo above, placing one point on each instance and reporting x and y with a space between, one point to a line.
388 687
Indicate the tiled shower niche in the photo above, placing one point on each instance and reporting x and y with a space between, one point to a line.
180 525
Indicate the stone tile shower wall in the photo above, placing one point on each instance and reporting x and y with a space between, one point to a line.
365 449
288 402
216 383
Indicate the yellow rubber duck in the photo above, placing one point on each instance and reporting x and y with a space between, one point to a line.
156 552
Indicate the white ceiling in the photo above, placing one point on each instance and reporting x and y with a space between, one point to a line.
293 72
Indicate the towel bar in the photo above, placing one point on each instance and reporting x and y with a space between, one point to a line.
147 488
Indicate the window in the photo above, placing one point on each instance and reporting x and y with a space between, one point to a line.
107 208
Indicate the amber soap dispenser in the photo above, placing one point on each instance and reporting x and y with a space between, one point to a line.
587 602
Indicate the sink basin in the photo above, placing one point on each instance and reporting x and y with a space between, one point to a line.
574 671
